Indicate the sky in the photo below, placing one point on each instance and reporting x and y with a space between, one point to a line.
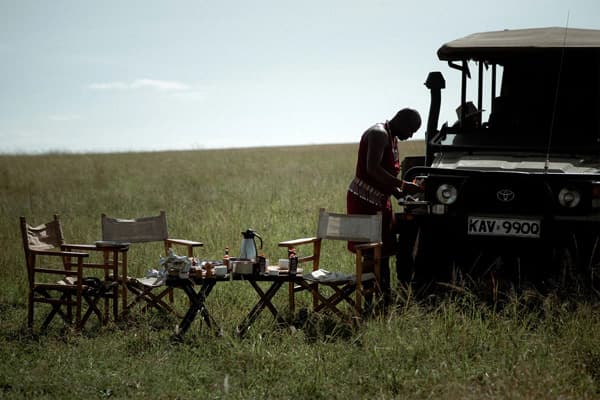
151 75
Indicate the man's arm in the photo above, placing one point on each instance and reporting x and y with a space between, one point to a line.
377 140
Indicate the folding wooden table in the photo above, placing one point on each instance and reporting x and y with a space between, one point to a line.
198 288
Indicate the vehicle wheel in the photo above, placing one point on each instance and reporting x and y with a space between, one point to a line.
433 257
580 264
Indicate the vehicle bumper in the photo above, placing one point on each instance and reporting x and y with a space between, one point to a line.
453 228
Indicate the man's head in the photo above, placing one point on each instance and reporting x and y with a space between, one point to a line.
405 123
471 115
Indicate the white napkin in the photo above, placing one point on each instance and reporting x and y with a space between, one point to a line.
180 263
154 273
153 281
322 275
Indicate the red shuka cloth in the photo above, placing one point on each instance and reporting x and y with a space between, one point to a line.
357 205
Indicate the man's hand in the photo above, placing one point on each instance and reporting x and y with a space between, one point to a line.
397 193
410 188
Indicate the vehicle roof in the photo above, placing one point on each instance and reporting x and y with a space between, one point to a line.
518 41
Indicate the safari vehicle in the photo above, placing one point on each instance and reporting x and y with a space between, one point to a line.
516 195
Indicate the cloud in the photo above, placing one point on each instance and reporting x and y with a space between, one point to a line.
141 84
161 85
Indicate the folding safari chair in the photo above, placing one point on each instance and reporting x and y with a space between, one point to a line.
150 291
329 289
47 255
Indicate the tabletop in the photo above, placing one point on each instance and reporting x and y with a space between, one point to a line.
273 274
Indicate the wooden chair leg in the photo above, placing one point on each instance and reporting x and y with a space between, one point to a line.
331 302
92 302
358 302
55 310
56 305
144 294
30 311
156 301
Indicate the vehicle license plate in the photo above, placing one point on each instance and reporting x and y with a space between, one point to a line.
529 228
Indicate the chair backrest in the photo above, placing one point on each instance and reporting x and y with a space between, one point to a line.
349 227
47 236
138 230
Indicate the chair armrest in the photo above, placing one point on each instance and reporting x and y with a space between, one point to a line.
185 242
366 246
70 246
122 248
58 253
296 242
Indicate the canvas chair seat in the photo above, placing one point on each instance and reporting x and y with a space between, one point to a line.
147 291
90 285
150 292
152 282
329 289
142 281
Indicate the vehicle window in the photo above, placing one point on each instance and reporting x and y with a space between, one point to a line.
542 99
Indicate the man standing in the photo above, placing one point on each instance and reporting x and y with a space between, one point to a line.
376 179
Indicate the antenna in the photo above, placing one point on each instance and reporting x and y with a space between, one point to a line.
555 105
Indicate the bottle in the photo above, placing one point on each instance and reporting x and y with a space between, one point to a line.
293 261
195 269
208 267
226 259
262 264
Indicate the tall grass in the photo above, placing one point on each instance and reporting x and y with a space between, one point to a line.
455 348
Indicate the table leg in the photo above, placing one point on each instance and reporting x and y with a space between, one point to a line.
124 309
206 315
266 298
265 301
116 290
196 306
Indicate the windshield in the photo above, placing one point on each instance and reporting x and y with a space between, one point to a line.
550 100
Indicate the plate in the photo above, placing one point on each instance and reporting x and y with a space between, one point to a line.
287 271
276 270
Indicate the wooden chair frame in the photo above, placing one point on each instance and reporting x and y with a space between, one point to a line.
369 236
47 254
141 230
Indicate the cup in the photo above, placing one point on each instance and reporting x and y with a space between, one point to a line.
220 270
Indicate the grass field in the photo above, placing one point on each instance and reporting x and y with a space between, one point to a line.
456 348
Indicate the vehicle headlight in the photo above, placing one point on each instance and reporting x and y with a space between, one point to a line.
446 194
568 197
